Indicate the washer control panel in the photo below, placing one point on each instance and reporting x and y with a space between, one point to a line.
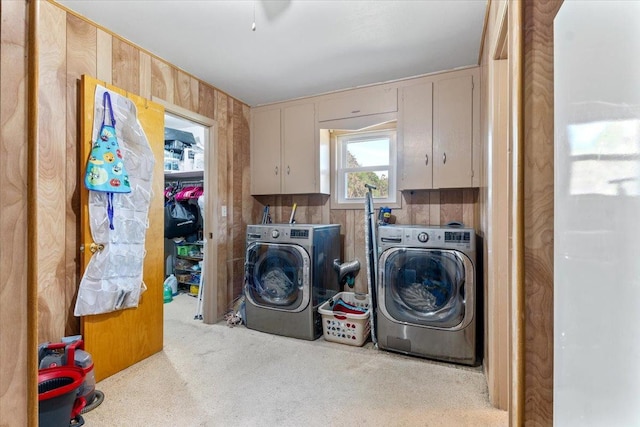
426 237
278 233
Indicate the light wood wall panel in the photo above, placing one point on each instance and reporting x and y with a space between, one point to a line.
104 57
162 80
126 66
450 206
434 207
222 119
206 100
15 356
145 75
239 190
186 91
51 177
419 207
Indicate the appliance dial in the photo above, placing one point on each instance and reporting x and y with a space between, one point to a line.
423 237
275 234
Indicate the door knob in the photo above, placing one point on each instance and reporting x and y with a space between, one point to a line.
94 247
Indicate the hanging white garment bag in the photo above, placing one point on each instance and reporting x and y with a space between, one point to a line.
113 278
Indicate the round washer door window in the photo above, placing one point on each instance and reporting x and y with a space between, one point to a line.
276 275
424 286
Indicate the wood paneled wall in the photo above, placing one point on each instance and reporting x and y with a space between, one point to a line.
75 46
433 207
92 50
15 329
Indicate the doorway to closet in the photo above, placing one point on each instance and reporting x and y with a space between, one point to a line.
190 189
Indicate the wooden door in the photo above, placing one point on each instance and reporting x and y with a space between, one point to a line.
300 151
416 137
453 132
122 338
265 152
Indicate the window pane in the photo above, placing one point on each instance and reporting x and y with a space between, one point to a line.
355 182
367 153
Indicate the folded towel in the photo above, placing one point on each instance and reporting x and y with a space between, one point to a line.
344 307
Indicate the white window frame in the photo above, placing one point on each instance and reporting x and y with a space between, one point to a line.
340 200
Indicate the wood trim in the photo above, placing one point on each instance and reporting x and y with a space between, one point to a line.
516 135
533 317
537 197
501 44
32 218
485 26
211 312
184 112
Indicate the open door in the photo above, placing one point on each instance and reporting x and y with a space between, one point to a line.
122 338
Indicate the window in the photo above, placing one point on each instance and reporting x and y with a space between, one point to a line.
366 158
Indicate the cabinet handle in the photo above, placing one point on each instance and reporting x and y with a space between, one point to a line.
355 111
288 169
426 161
444 157
276 170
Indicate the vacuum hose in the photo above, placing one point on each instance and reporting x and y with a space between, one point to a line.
347 271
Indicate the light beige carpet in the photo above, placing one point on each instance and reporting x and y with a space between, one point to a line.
215 375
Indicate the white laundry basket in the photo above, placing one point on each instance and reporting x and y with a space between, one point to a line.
346 328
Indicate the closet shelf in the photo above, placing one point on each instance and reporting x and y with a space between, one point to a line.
190 258
190 270
183 174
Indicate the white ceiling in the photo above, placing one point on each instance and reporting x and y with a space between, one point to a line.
299 47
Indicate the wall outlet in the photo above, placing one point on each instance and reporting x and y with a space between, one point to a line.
224 211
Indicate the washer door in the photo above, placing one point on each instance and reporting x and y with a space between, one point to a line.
277 276
426 287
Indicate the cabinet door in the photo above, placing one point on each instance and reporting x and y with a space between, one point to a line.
416 162
359 103
265 152
300 152
453 132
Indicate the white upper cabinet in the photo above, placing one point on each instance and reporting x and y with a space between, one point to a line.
287 153
453 132
439 132
359 102
416 136
265 152
298 149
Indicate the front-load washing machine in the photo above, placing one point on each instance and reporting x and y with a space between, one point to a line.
288 275
426 290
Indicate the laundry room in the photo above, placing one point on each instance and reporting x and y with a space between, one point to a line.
337 251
